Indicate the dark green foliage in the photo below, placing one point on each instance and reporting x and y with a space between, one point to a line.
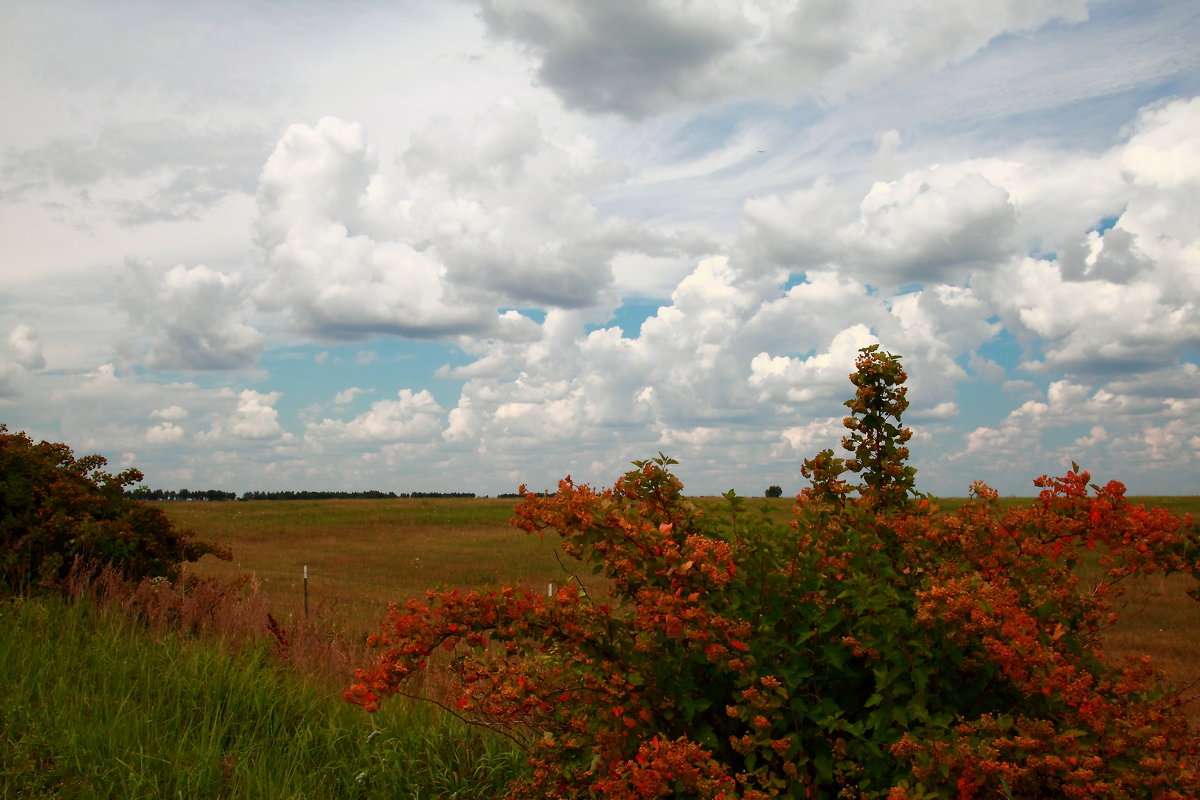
205 495
774 491
56 509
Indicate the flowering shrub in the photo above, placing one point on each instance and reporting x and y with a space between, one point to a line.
872 648
55 508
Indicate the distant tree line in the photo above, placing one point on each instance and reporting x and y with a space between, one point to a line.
193 495
145 493
318 495
368 495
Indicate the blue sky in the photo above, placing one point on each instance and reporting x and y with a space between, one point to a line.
465 245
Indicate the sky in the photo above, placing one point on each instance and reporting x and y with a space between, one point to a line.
468 244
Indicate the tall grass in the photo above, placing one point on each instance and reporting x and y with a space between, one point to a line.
99 705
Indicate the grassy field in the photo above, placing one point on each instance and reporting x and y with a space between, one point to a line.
362 554
99 706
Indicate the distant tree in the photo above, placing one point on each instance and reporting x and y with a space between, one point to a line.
55 508
774 491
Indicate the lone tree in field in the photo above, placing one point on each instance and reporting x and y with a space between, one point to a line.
873 647
55 509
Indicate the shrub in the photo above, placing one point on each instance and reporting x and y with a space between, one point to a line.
773 491
871 648
56 509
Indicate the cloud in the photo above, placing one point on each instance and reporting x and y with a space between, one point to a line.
805 441
188 318
507 208
1161 165
497 218
631 57
987 369
717 363
164 433
1175 444
411 417
346 396
935 225
1096 326
172 413
23 347
683 374
505 211
20 354
1182 381
176 432
1127 300
332 276
1015 239
1125 433
822 375
1028 246
107 409
180 173
254 418
638 58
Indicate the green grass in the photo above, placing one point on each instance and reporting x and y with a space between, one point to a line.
96 707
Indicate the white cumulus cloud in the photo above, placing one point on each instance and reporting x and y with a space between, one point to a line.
20 353
410 417
189 318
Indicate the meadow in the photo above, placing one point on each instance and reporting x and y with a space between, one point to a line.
363 554
101 704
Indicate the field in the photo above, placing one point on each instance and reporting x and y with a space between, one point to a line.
363 554
99 705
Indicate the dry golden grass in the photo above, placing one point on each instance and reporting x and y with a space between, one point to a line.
363 554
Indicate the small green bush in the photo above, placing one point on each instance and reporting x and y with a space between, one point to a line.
56 509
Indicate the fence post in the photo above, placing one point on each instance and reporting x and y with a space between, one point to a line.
306 591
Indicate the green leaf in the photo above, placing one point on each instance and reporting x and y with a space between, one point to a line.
823 764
